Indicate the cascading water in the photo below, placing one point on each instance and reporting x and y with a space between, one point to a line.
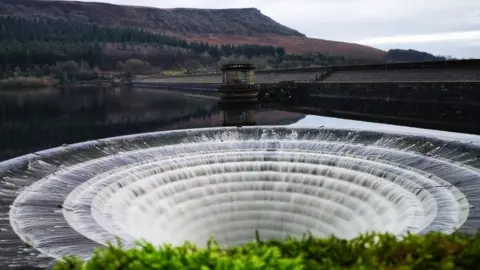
186 185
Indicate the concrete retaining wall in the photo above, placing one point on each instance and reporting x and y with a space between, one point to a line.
190 87
415 75
440 104
265 76
461 92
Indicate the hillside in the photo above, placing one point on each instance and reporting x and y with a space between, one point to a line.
298 45
399 55
219 26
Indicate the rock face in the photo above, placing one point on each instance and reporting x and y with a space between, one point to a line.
215 26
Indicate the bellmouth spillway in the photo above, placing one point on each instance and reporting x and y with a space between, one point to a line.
186 185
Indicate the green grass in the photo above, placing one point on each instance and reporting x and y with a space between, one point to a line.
174 72
26 83
370 251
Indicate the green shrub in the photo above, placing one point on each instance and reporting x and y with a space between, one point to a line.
369 251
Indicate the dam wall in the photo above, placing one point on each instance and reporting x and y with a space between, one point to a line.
447 91
452 106
445 70
427 96
413 75
261 77
204 88
451 64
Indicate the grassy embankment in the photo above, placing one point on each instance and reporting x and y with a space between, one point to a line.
27 83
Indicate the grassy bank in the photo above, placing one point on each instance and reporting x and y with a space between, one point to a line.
27 83
370 251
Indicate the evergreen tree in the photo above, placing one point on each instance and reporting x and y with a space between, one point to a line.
27 43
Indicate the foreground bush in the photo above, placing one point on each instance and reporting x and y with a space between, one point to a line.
370 251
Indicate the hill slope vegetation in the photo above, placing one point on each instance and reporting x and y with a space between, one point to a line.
219 26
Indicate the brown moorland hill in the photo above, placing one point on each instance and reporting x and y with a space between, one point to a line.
296 44
216 26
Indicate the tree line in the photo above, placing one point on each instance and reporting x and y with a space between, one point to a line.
400 55
26 43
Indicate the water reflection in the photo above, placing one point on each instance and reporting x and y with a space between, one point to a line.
239 113
40 119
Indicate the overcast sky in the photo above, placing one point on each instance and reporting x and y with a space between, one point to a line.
446 27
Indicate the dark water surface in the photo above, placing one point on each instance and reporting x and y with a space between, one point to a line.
32 120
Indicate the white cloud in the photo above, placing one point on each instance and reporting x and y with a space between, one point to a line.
471 37
464 44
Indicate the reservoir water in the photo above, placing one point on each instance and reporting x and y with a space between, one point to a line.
32 120
185 177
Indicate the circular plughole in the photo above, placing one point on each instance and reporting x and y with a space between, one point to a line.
187 185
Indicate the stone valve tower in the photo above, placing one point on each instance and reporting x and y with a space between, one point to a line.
238 95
